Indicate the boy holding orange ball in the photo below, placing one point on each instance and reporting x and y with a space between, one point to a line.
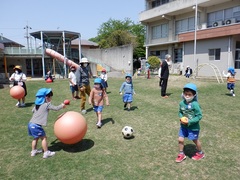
190 114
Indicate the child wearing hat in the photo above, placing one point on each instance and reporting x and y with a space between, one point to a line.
190 114
73 83
40 117
127 88
96 98
230 80
104 78
19 78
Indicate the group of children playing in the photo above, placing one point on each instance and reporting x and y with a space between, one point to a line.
189 109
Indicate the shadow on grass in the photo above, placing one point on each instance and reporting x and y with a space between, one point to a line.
169 94
132 137
90 109
29 104
83 145
228 94
190 150
107 120
131 109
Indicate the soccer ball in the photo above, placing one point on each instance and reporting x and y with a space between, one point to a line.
127 132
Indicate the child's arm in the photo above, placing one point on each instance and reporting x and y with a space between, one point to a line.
106 98
226 75
55 108
121 88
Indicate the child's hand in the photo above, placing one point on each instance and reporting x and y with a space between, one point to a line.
63 105
184 120
107 104
90 103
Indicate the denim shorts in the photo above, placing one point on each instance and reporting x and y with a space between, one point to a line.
191 135
98 108
35 130
127 98
73 88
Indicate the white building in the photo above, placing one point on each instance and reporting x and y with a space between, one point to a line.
194 32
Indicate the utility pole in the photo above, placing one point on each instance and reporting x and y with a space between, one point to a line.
27 35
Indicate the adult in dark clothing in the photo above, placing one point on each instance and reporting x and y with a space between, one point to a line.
164 74
82 76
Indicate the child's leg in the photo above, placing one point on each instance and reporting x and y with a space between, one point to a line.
99 115
34 143
46 153
181 156
198 145
181 144
35 151
44 143
199 154
129 106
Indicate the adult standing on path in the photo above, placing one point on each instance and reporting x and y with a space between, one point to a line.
164 74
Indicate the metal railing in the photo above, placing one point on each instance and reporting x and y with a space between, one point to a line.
21 51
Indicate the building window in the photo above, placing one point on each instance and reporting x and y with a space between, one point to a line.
214 54
237 59
237 55
177 55
160 31
157 3
224 15
185 25
159 53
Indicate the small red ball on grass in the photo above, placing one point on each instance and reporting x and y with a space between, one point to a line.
17 92
66 102
70 127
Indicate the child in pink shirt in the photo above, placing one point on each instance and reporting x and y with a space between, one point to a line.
96 98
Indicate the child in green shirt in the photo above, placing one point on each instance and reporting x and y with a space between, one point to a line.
190 110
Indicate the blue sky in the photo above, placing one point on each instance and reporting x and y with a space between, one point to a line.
83 16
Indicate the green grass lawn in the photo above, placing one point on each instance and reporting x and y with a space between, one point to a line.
105 154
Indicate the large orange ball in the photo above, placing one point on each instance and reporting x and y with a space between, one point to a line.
17 92
70 127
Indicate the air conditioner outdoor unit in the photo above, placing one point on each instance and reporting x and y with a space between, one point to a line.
230 21
217 24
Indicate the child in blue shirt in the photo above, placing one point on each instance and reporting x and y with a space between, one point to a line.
127 88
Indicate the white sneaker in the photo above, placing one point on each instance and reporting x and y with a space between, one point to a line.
99 124
48 154
18 103
233 94
84 111
23 105
35 152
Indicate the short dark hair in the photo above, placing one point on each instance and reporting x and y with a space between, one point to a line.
187 89
49 94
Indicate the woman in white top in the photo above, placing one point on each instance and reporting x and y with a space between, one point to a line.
19 78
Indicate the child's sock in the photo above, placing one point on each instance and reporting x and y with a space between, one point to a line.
181 152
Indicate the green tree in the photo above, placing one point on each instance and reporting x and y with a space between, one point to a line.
117 33
154 62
